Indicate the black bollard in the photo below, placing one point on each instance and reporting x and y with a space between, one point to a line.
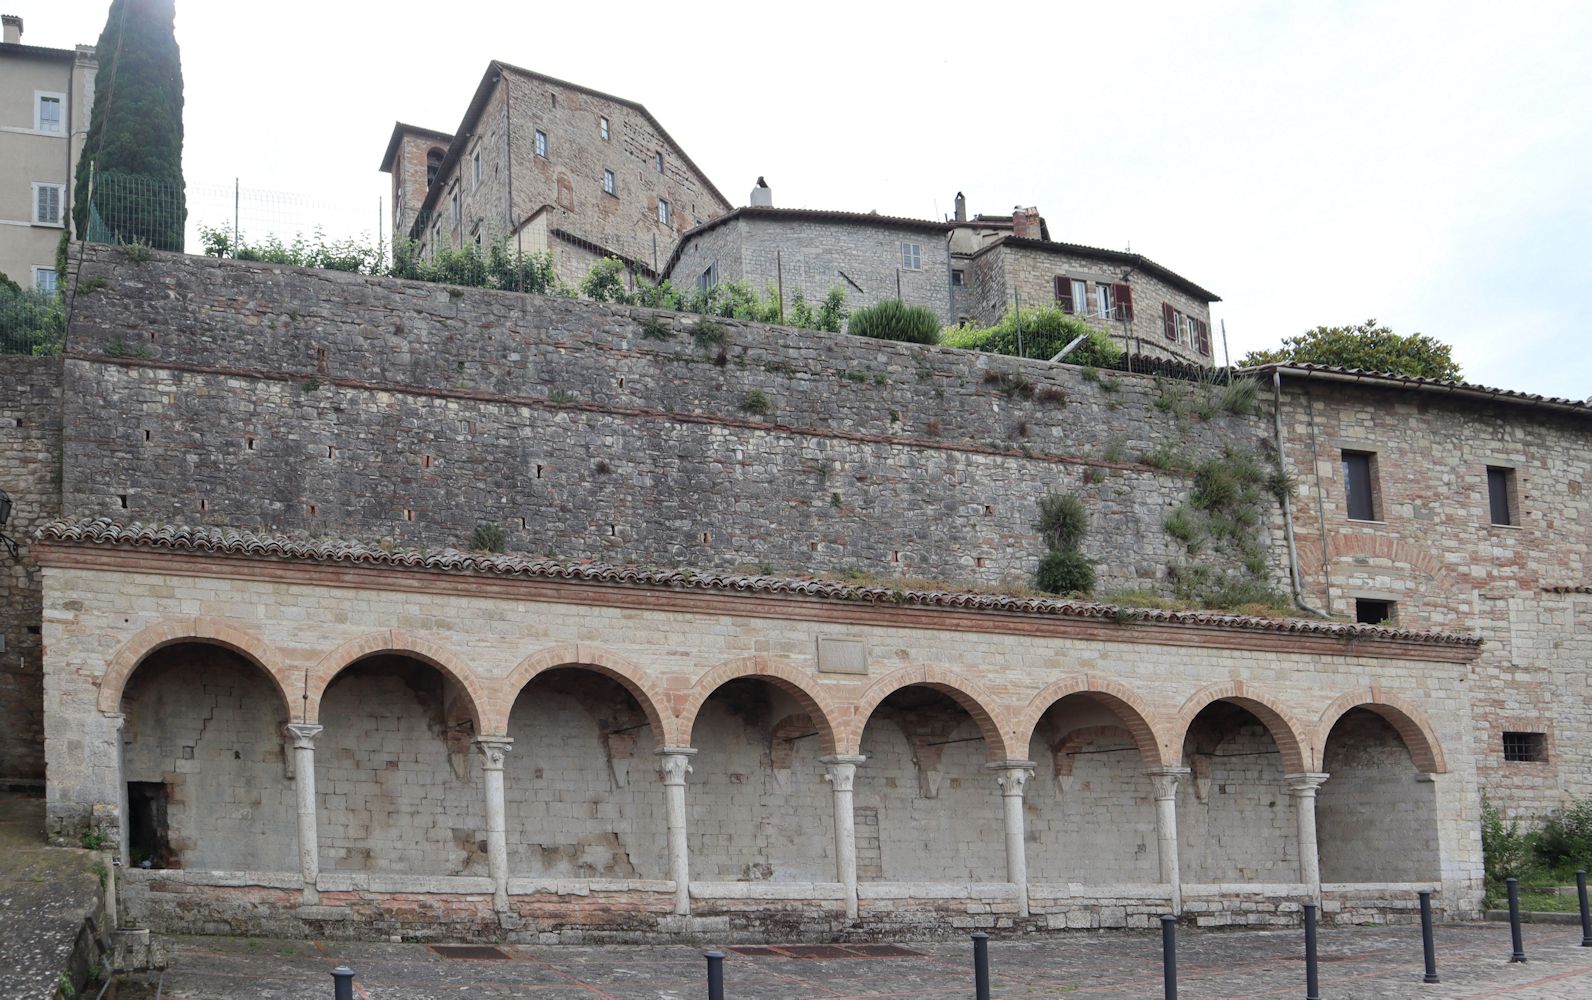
1427 944
1586 915
1169 955
1519 954
1312 980
342 983
981 965
715 975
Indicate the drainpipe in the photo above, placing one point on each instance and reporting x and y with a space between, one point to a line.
1287 501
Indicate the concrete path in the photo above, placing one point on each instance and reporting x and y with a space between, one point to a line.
1359 963
45 892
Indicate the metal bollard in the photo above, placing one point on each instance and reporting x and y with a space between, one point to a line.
715 975
1586 915
980 965
1428 946
1312 979
1519 954
1169 955
342 983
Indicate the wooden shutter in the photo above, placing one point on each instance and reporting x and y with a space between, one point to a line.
1124 296
1168 321
1205 337
1064 293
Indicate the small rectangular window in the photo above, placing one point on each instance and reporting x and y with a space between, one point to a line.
475 170
1369 612
541 144
47 199
1529 748
608 182
956 278
48 113
663 211
455 207
709 278
44 279
657 161
1501 494
1359 485
1104 301
602 127
912 256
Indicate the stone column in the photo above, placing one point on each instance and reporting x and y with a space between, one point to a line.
493 749
303 736
840 770
1013 775
1303 787
674 763
1165 781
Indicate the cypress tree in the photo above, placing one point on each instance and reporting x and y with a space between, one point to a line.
135 132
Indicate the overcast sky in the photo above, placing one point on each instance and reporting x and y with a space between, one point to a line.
1429 164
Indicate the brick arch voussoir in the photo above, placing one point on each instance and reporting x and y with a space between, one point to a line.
132 653
798 683
1136 716
583 656
1399 552
479 698
989 713
1426 753
1286 731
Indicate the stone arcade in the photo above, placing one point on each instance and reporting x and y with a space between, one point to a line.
336 741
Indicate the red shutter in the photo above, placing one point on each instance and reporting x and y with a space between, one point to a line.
1168 321
1205 337
1064 293
1124 296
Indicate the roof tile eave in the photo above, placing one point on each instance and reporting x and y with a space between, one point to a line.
244 544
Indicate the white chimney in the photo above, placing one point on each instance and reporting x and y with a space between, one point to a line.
961 207
762 195
13 29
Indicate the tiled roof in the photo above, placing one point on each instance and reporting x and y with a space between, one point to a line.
1388 380
228 542
1137 260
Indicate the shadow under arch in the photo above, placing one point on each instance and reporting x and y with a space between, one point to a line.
970 695
798 683
1284 728
1128 707
1408 721
581 656
395 642
201 631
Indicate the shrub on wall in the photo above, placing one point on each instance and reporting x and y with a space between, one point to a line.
1066 573
1040 334
1062 524
895 320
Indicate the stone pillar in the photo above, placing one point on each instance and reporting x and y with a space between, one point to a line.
493 749
1013 775
1165 781
1303 787
840 770
674 763
303 736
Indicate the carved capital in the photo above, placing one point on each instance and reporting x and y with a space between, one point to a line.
1012 775
1305 783
493 750
674 763
303 734
1164 780
840 770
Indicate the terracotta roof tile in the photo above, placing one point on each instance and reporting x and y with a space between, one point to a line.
1392 381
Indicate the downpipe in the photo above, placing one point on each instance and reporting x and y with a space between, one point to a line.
1294 579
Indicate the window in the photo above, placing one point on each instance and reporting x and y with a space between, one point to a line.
1529 748
1202 330
1501 494
1171 321
1104 301
657 161
44 279
458 215
912 256
1372 612
663 211
709 278
541 144
47 200
1359 485
47 112
956 278
1072 294
602 127
434 158
475 170
608 181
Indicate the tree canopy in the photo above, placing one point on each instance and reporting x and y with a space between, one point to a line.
134 141
1366 346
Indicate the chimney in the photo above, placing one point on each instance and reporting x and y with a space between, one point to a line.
1025 223
961 207
13 29
762 195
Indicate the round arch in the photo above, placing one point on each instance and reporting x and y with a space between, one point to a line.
399 643
1285 730
1128 707
979 703
799 684
581 656
1410 723
205 631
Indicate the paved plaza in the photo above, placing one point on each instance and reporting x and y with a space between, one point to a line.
1359 963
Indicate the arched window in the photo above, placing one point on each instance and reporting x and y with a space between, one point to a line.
434 163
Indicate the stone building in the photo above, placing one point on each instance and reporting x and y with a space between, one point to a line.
45 97
550 166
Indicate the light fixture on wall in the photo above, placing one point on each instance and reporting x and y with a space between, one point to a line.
5 515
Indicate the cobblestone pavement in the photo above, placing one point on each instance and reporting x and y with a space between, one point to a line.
1360 963
44 894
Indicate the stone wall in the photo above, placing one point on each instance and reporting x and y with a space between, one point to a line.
1375 790
30 471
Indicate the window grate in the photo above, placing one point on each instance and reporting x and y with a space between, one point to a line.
1530 748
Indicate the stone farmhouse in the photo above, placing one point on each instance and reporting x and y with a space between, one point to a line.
552 167
456 613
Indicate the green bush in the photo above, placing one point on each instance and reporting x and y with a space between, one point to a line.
1565 840
605 281
1505 848
488 538
1062 522
31 321
1066 573
895 320
1044 332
